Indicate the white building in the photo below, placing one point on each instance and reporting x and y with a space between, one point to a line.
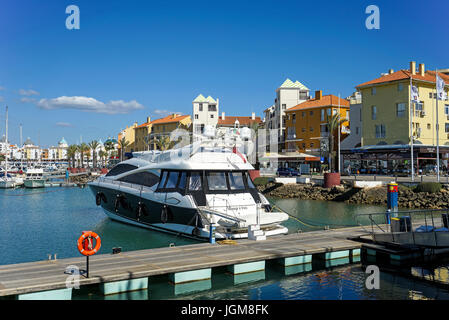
205 112
288 95
355 122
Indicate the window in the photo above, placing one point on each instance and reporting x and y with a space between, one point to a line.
196 116
182 181
373 91
172 180
373 112
446 127
303 130
322 114
329 112
446 109
311 113
163 180
284 106
294 118
380 131
195 181
311 129
143 178
429 126
250 182
236 181
400 86
211 116
212 107
356 130
217 181
201 107
419 108
120 168
400 110
303 114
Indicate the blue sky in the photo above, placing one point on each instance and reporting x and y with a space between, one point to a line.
148 58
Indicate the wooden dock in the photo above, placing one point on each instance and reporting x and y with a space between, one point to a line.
50 275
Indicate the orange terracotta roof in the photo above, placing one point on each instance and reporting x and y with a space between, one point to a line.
169 119
146 124
327 100
243 121
429 76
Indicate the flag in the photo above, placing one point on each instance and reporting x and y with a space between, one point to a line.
441 94
415 94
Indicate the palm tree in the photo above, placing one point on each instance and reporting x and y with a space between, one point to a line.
93 145
333 124
103 154
83 149
123 144
163 143
108 146
71 153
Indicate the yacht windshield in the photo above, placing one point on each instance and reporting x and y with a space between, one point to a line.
217 181
195 181
236 181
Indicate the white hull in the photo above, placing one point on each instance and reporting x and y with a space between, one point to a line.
174 228
34 183
7 184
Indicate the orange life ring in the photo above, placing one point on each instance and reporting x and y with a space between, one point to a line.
82 248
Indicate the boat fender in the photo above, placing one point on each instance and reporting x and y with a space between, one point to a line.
141 210
117 202
164 214
98 198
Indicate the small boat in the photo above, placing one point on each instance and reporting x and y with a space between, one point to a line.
7 182
34 178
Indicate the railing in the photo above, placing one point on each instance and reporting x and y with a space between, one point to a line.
433 221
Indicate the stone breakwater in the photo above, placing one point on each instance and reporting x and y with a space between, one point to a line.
407 198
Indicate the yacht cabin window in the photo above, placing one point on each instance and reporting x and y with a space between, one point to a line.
195 181
217 180
236 181
120 168
143 178
172 180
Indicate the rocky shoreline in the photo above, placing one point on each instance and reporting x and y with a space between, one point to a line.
407 198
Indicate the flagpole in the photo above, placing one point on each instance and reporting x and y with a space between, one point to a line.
411 129
339 133
438 129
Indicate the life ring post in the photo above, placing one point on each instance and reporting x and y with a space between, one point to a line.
86 248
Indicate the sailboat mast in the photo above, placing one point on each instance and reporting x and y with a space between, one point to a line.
6 141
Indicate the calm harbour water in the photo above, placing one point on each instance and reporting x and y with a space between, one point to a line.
37 222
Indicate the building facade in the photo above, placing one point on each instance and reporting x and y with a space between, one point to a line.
205 112
354 140
306 125
288 95
390 118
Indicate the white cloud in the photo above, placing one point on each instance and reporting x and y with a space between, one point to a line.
27 100
64 124
29 92
87 104
160 112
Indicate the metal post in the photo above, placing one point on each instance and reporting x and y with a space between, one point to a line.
212 233
87 266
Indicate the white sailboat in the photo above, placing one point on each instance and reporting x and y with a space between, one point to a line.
6 181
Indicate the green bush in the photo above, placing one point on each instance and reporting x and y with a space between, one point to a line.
261 181
430 187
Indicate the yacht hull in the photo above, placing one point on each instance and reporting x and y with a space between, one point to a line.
34 183
124 207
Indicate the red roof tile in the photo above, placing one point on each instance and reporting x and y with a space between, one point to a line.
243 121
429 76
327 100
